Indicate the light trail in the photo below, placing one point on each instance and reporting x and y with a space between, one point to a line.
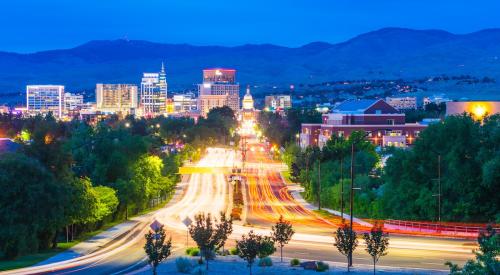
268 197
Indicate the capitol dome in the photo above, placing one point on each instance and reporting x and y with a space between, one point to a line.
248 101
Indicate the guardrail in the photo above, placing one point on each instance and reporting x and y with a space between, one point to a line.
445 229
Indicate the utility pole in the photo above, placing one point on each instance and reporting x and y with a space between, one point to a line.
341 188
439 188
351 201
319 184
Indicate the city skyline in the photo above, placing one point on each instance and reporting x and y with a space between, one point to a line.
330 22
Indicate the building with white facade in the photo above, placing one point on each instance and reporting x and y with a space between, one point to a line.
116 98
42 99
277 102
73 102
154 93
402 103
185 103
219 88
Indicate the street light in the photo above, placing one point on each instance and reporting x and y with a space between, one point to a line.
439 188
351 203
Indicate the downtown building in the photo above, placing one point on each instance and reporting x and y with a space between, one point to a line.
184 103
219 88
402 103
73 102
154 93
277 103
116 98
384 125
44 99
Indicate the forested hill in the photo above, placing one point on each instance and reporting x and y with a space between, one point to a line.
389 53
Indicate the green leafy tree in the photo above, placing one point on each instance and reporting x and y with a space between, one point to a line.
377 243
156 248
207 235
468 152
30 205
107 202
248 248
282 233
266 247
346 242
225 228
487 257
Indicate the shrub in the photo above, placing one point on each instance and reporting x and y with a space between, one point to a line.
193 251
199 270
266 247
222 252
183 265
233 251
321 266
266 261
294 262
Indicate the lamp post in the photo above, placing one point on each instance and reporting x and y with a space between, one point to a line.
439 188
351 202
341 188
319 183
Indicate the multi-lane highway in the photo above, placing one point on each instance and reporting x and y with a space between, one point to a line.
267 197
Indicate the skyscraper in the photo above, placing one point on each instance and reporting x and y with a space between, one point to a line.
42 99
154 93
116 98
219 88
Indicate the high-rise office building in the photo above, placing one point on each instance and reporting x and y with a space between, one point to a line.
42 99
116 98
219 88
154 93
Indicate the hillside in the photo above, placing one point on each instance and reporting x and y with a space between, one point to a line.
384 54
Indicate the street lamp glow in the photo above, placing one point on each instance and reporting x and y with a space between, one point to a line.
479 111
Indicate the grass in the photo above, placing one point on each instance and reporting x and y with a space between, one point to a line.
286 175
31 259
28 260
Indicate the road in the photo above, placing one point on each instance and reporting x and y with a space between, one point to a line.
267 198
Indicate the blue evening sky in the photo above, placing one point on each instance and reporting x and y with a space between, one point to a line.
32 25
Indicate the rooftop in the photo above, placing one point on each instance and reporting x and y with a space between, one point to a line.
355 106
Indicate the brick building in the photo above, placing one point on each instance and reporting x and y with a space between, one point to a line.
382 122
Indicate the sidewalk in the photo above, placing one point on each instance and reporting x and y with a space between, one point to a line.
295 191
102 239
92 244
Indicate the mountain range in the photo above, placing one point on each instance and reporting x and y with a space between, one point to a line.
390 53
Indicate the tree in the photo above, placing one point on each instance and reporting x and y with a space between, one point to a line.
346 242
31 209
206 235
282 233
107 202
156 248
225 228
266 247
377 243
487 261
248 248
468 151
